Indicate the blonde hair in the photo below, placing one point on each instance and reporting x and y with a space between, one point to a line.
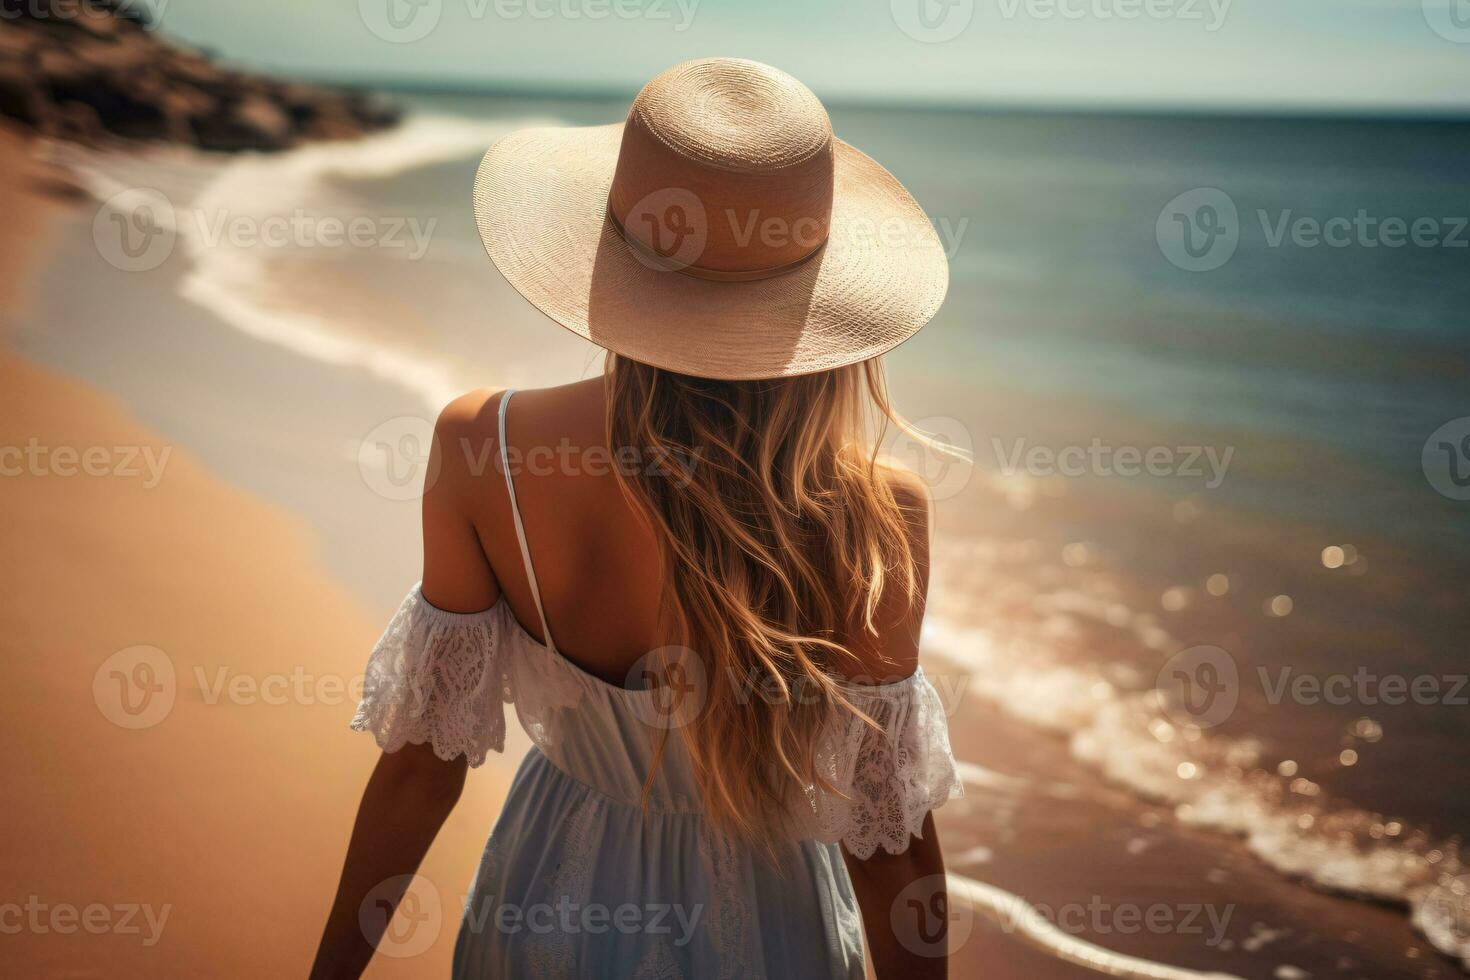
779 542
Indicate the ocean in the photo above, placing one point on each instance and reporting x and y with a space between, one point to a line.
1199 603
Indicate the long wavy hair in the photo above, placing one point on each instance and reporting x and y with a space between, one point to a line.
777 544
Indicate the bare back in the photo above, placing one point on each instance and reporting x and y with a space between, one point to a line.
595 559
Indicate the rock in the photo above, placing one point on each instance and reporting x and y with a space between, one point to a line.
20 96
14 46
125 10
94 71
58 66
252 123
78 122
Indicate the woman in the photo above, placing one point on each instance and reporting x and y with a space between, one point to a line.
690 576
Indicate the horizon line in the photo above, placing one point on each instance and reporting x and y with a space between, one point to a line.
416 85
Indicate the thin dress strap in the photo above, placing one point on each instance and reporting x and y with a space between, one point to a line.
515 510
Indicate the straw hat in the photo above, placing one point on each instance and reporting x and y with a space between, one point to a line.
721 231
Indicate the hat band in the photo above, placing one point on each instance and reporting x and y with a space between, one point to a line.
666 264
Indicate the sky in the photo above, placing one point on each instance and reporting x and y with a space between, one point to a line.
1279 55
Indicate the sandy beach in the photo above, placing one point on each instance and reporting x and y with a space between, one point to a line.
209 837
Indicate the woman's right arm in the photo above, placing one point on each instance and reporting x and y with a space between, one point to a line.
412 791
407 800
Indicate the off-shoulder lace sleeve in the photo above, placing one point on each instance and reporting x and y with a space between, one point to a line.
887 780
437 677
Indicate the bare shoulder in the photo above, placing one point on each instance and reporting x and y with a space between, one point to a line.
467 432
457 572
469 413
889 650
464 439
912 494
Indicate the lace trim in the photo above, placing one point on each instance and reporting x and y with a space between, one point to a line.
885 781
437 677
444 678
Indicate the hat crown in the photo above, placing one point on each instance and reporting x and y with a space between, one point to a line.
725 171
735 114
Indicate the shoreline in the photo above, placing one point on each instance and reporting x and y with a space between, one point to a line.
29 232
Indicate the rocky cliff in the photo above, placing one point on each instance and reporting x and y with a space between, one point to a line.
98 72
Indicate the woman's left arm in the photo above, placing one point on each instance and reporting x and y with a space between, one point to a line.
882 881
903 897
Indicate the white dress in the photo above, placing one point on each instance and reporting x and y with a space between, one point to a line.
578 878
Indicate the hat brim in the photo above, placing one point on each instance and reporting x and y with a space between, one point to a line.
541 205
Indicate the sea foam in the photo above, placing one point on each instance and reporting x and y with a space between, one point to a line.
1112 721
233 281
